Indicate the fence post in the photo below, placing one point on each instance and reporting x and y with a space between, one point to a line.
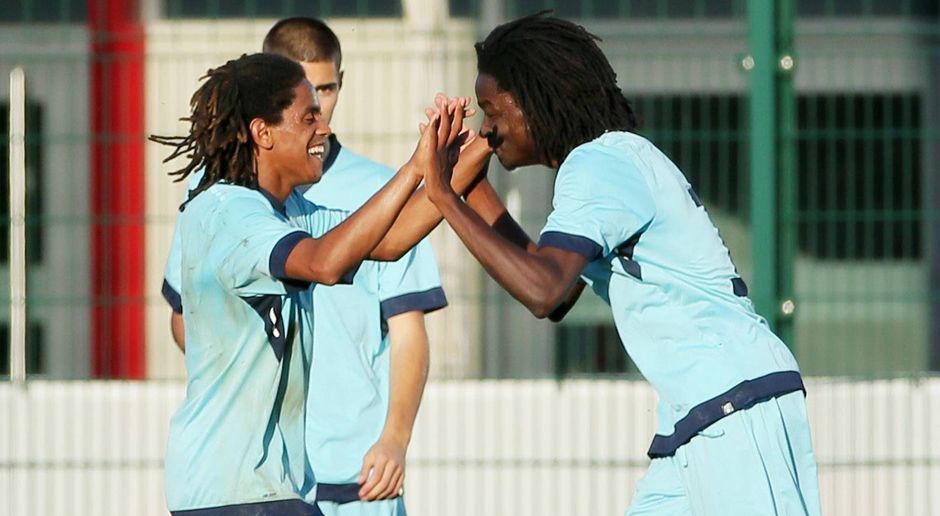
17 241
787 215
762 151
931 210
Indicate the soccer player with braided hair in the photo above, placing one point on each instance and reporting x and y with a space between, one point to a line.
732 437
250 248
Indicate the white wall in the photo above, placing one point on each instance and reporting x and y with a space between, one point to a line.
480 447
56 64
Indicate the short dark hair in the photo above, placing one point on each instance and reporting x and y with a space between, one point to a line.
234 94
564 84
303 39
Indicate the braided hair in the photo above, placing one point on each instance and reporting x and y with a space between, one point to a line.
219 140
564 84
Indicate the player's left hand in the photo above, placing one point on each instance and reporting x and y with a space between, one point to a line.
383 471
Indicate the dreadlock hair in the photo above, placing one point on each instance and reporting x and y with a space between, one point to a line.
219 140
564 84
303 39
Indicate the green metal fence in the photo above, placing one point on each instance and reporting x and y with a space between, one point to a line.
816 163
809 129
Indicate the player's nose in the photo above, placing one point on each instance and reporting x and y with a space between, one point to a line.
323 128
486 128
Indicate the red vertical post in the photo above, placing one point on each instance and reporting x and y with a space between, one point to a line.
117 188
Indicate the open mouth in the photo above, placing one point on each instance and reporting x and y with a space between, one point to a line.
317 151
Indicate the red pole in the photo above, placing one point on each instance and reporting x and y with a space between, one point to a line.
117 188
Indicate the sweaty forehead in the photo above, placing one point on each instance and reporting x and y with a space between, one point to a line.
489 94
486 85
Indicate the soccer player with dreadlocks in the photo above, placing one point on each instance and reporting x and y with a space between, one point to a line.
248 254
370 335
733 437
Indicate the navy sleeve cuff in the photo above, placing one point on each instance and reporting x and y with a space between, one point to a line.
172 297
574 243
278 260
426 301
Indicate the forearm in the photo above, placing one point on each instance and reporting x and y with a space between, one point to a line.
533 281
420 216
346 245
486 203
410 359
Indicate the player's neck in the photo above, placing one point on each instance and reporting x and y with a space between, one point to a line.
274 184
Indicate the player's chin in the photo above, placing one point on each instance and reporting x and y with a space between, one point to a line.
508 162
314 172
505 159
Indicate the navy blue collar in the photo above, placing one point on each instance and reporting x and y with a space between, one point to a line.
275 203
334 151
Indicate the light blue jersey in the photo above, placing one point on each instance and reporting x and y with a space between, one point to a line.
349 385
680 308
238 436
172 273
732 434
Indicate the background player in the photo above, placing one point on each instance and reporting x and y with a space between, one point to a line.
733 437
236 443
371 338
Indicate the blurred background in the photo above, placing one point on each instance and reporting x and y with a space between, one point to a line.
809 128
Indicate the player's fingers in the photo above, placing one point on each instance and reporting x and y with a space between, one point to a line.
456 123
429 131
367 464
385 486
389 490
443 129
397 481
381 477
441 102
368 490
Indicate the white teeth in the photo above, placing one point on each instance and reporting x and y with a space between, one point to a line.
316 150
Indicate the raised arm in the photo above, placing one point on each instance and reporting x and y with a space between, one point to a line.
544 279
484 200
420 216
327 259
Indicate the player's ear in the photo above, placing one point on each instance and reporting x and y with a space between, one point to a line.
261 133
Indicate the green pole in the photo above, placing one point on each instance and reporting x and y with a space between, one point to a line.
762 67
787 144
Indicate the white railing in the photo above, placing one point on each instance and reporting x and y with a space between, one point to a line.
480 447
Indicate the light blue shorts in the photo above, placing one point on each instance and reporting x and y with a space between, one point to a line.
393 507
753 462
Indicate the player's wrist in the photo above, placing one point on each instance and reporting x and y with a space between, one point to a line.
412 173
399 437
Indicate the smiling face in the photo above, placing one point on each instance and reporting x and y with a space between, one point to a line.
299 140
504 125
